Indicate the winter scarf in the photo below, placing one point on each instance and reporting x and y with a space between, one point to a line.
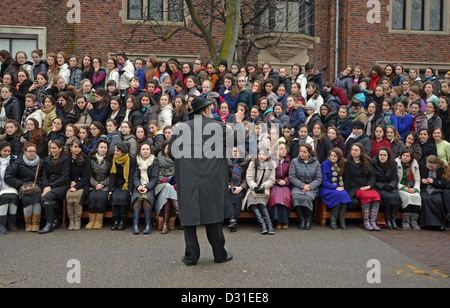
143 166
28 111
410 179
125 160
236 173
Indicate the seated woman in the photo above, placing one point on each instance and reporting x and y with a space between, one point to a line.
98 196
166 194
359 181
435 175
146 177
237 169
79 176
260 179
332 190
409 189
121 184
280 201
305 176
23 171
386 180
55 183
8 194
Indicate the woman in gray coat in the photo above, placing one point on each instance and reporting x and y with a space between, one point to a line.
305 175
146 177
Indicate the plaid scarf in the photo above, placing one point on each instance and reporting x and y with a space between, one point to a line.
236 173
28 111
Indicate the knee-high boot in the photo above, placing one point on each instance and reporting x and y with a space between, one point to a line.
136 214
373 217
366 214
172 218
259 218
334 216
266 216
78 211
49 217
301 217
123 217
148 221
165 228
70 207
342 211
116 217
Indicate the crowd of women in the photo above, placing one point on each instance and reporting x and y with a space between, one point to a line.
72 130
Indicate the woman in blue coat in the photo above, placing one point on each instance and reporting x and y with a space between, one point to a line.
332 190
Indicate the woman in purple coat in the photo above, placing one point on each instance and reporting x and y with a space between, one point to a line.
332 190
280 202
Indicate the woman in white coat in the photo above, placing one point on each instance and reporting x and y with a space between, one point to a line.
409 189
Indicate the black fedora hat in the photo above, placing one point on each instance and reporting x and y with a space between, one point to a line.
199 103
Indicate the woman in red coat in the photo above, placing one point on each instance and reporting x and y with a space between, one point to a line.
380 140
280 202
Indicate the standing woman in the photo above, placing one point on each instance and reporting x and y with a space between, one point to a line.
428 146
386 181
435 178
260 179
146 177
409 189
432 113
121 184
322 145
113 135
111 72
129 138
305 176
359 181
75 72
99 182
280 201
55 183
444 110
39 65
8 194
332 190
79 176
404 119
21 171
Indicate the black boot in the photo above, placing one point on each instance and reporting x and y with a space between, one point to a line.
123 218
342 211
3 225
388 220
301 217
49 217
259 218
266 216
136 214
12 222
334 216
148 221
116 217
308 217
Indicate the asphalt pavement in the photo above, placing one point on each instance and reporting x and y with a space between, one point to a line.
292 258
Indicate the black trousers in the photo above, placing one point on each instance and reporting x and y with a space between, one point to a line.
215 237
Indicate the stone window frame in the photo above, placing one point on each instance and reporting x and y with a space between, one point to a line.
18 32
165 22
445 19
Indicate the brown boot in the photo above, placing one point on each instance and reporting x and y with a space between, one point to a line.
172 218
165 228
36 221
71 214
78 210
28 223
160 222
90 225
98 221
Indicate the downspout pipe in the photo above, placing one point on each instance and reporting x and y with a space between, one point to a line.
336 49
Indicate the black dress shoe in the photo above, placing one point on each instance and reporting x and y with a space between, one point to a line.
228 258
188 263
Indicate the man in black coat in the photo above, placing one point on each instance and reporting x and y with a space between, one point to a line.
201 173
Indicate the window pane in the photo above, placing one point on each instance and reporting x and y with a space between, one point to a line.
280 17
436 10
293 17
4 44
417 11
175 10
135 9
25 45
155 9
398 14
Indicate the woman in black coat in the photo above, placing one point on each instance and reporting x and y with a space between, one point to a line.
322 144
435 182
144 187
23 171
79 175
57 133
55 183
428 146
121 184
359 181
386 182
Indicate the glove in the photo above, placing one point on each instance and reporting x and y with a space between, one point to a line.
388 188
121 72
260 190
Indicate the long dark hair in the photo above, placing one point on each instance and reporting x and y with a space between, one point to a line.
79 160
363 157
390 161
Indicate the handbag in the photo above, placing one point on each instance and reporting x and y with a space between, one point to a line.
30 189
266 191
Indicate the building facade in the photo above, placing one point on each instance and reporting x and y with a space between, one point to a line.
331 34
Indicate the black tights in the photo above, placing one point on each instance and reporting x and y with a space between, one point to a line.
138 204
412 209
